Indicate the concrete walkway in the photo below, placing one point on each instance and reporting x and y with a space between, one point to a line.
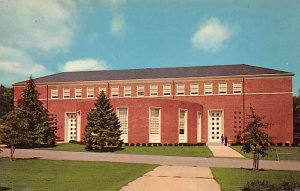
150 159
175 178
224 151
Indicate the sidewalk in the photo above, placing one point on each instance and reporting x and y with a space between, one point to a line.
224 151
175 178
150 159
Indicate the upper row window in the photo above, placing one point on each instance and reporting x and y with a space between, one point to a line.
167 90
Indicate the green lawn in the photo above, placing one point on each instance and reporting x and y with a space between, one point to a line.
272 154
68 175
235 179
193 151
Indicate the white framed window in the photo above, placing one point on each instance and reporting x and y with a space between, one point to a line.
90 92
182 126
237 88
223 88
166 90
66 93
127 91
54 93
154 125
180 89
123 118
194 89
208 89
114 91
102 89
153 90
78 92
140 91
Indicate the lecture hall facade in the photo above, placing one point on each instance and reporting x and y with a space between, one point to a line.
172 105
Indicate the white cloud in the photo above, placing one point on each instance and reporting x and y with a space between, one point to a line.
118 24
46 26
211 36
84 65
113 3
17 66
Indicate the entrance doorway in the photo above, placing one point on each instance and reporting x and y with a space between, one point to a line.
215 126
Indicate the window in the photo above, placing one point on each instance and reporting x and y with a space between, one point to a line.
140 90
78 92
127 91
180 89
153 90
54 93
102 89
182 121
194 89
237 88
167 90
123 118
114 91
90 92
154 120
66 93
222 88
208 89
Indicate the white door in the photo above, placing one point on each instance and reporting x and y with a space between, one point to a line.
182 126
78 126
123 118
154 125
215 119
71 127
198 127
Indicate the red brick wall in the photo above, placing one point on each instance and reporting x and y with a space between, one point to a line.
271 97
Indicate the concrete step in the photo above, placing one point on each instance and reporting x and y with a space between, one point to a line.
214 144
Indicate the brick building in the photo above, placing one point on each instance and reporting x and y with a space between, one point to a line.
172 105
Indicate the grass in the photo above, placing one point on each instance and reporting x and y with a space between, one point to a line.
271 154
68 175
235 179
191 151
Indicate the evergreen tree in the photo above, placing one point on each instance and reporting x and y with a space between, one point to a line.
255 139
296 112
103 126
6 100
14 131
41 125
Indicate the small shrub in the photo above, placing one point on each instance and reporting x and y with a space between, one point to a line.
138 144
126 144
170 144
144 144
149 144
132 144
159 144
154 144
258 185
176 144
288 186
165 144
75 142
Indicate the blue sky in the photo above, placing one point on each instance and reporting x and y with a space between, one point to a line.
46 37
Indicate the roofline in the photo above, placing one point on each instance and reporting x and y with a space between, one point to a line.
166 79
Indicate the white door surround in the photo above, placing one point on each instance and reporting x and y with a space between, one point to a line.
70 127
215 125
